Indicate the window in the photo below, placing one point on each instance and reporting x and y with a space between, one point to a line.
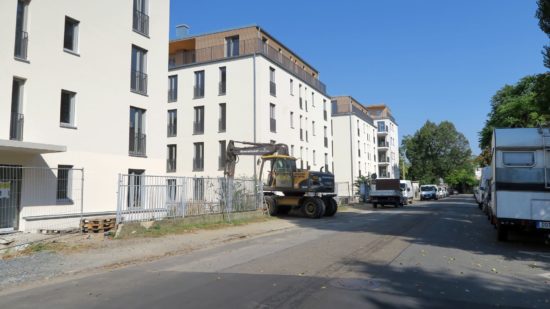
198 159
232 46
222 84
313 128
307 135
359 149
272 85
198 189
222 120
171 161
222 157
64 182
172 122
358 129
325 116
172 88
135 181
70 41
312 99
140 22
198 124
291 86
67 108
292 120
326 162
172 189
305 92
17 117
301 130
300 95
138 81
314 159
272 120
325 138
520 159
292 150
199 85
137 129
21 35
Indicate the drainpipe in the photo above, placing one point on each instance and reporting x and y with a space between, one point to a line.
351 145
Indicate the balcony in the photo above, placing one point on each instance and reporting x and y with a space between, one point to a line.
141 22
138 82
246 47
16 127
383 144
172 95
273 89
383 161
21 43
198 92
382 130
198 164
221 125
170 165
221 88
172 130
273 125
137 145
198 127
383 175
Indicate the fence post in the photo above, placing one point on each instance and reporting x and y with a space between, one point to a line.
81 199
119 202
229 197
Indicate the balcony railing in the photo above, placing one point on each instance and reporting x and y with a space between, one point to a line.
247 47
326 142
172 129
198 164
137 144
221 125
383 175
172 95
273 89
221 88
383 144
16 126
384 160
21 43
198 127
198 92
273 125
383 129
139 82
141 22
171 165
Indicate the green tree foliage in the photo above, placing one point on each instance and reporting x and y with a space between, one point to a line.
462 178
404 165
435 151
543 14
525 104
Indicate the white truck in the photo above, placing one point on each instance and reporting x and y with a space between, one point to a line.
407 191
520 187
386 192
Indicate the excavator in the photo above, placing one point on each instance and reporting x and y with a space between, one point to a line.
286 187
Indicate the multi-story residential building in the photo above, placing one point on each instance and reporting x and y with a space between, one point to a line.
387 140
82 85
354 143
243 84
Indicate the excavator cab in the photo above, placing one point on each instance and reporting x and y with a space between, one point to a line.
278 171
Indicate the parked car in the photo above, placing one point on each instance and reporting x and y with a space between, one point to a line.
428 192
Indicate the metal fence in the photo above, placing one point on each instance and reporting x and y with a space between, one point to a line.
40 198
149 198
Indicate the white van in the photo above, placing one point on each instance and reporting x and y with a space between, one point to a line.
408 192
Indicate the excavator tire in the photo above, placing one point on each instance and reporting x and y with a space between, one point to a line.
313 207
331 207
271 205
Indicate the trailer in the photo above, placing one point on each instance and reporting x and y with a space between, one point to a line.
386 192
520 186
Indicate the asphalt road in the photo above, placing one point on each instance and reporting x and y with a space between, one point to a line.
427 255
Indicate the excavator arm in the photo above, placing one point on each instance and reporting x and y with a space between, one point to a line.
249 149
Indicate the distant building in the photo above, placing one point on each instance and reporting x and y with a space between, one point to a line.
354 143
242 84
387 140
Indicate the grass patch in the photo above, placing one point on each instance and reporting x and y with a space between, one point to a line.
181 226
41 246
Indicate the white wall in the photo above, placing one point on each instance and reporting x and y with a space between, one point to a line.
100 76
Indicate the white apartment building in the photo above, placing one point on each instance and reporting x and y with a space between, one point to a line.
354 143
242 84
82 86
387 140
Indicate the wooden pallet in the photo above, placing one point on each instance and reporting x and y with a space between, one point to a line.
96 225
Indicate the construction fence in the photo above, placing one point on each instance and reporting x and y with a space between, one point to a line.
40 198
149 198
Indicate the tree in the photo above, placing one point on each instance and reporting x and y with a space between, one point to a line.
543 14
435 151
522 105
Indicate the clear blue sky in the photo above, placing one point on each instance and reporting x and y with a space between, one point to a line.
427 59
